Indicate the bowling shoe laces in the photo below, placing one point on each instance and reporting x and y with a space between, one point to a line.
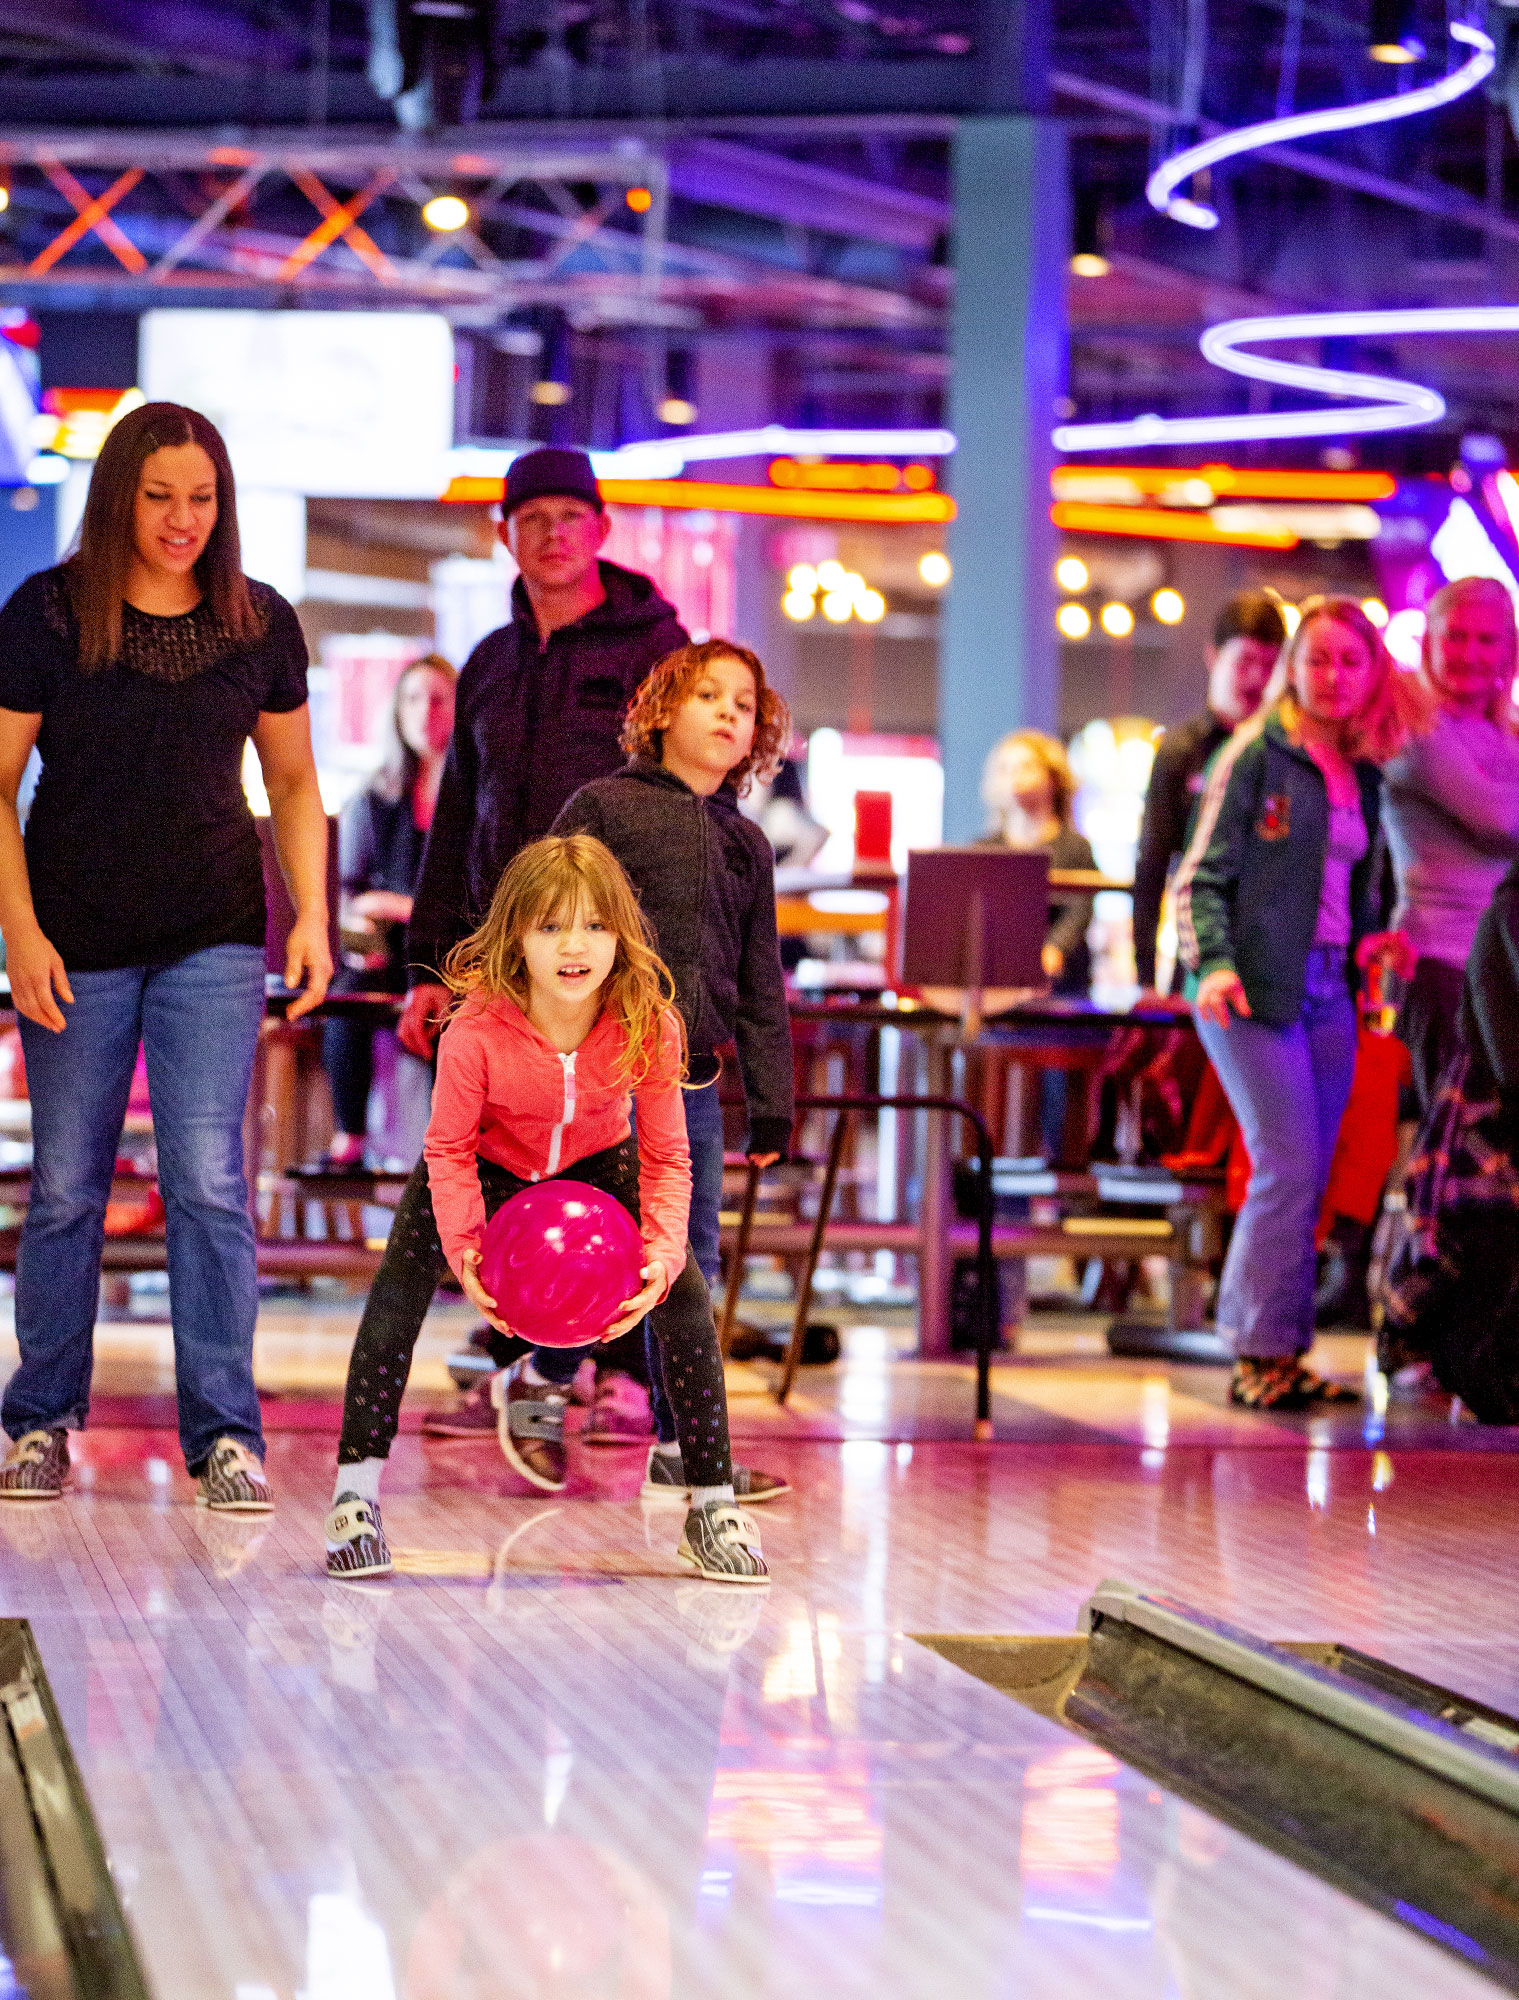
530 1426
356 1544
721 1543
36 1466
232 1481
666 1480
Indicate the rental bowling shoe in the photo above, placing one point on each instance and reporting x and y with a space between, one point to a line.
36 1466
232 1481
721 1543
665 1479
530 1426
356 1544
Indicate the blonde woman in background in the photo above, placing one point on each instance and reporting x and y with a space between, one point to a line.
1027 789
1452 809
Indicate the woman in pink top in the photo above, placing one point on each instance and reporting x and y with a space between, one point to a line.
564 1019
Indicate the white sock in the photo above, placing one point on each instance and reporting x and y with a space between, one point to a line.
703 1496
362 1479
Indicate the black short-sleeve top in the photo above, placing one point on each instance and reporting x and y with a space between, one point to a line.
140 843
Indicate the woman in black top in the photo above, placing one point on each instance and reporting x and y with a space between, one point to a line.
134 913
380 840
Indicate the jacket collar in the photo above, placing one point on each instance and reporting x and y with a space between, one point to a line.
502 1009
632 602
1277 731
646 771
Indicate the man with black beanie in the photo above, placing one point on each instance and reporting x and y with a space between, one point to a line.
539 708
1248 634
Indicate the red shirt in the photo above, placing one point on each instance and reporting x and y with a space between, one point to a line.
506 1093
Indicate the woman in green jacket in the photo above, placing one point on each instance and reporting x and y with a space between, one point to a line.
1279 901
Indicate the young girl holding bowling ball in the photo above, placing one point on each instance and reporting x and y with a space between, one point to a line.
563 1021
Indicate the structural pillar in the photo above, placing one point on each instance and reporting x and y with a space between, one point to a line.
998 658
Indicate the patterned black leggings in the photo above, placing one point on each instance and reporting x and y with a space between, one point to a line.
414 1264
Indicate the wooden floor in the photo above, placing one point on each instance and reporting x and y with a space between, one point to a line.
541 1764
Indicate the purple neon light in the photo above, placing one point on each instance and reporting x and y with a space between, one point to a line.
1161 187
1397 405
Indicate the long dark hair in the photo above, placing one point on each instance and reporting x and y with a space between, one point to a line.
98 571
396 778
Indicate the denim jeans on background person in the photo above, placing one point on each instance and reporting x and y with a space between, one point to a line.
704 1135
198 1021
1288 1087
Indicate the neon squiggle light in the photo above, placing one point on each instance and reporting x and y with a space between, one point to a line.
1396 406
1169 175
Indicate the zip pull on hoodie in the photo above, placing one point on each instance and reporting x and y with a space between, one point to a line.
504 1093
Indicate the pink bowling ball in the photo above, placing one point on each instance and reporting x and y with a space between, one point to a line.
559 1259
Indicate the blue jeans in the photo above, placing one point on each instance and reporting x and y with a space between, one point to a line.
704 1134
1288 1088
198 1021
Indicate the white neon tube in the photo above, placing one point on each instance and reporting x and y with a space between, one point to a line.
1392 405
1161 187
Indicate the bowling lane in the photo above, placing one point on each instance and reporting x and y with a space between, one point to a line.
541 1762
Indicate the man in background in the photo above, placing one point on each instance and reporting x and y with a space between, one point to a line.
1248 634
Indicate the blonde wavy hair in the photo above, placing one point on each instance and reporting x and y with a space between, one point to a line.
1397 706
553 878
1444 601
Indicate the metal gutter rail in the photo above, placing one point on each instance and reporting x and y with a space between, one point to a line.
61 1922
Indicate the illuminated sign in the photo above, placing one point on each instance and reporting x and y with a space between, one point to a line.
852 478
353 405
75 422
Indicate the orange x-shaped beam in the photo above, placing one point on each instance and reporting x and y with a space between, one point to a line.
339 219
93 212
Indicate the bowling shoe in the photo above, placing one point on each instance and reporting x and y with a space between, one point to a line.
663 1480
721 1543
356 1544
232 1481
36 1466
530 1426
619 1412
1283 1384
473 1416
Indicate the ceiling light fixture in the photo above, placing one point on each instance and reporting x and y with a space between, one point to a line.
1161 187
1392 34
445 213
1394 406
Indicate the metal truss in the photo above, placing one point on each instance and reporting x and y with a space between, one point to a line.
179 213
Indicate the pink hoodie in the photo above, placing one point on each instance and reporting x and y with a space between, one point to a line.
505 1092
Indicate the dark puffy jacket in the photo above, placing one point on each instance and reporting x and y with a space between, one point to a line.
1247 891
533 722
706 880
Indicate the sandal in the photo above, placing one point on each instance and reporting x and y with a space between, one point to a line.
1283 1385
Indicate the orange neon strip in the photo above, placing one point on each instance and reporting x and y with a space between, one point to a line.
883 509
1244 482
1162 524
